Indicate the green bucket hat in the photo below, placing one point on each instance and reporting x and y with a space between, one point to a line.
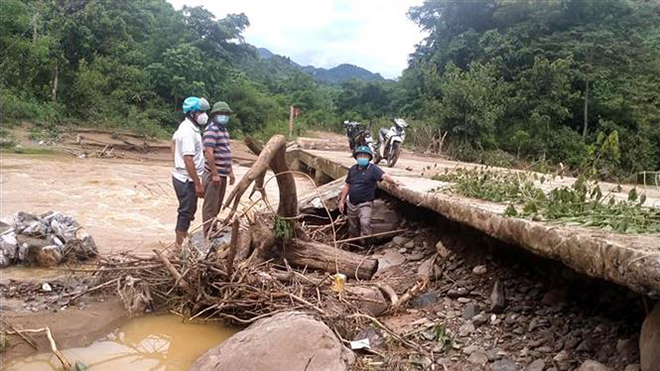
221 107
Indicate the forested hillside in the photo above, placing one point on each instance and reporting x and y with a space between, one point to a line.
131 63
575 82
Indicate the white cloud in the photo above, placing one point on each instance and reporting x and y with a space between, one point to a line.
373 34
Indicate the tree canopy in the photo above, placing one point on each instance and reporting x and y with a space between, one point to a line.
570 81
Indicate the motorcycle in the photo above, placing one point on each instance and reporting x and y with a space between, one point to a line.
359 136
390 141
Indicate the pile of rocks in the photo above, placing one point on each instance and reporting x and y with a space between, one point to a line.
44 240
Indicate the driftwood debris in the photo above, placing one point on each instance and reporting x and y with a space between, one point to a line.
324 257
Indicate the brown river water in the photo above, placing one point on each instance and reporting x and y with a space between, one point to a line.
156 343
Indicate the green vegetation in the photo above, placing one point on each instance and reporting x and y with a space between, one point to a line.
570 82
130 64
581 204
557 80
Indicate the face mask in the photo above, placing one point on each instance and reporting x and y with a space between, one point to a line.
221 119
363 162
202 118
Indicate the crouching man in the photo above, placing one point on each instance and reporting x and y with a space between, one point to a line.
360 188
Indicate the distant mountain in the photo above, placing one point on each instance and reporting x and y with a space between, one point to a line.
337 74
264 53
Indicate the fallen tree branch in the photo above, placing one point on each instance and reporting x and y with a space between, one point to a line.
53 347
177 276
273 155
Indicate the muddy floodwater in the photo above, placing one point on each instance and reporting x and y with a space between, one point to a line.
156 343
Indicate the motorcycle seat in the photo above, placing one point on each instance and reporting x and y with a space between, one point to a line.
383 132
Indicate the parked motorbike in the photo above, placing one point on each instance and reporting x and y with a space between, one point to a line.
390 141
359 135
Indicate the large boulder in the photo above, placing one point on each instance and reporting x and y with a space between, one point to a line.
649 341
285 341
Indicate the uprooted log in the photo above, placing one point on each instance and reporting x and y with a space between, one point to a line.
273 155
324 257
256 148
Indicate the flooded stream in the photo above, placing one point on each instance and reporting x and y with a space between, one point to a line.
156 343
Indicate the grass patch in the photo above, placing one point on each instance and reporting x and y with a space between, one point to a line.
27 151
583 203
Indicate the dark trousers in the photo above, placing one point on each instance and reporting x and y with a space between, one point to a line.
213 196
185 192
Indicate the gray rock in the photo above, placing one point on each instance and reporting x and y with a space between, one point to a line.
400 240
428 269
480 269
561 356
415 257
470 311
479 319
420 360
4 227
632 367
390 259
8 249
537 365
497 297
442 251
409 245
585 346
470 349
495 354
424 300
466 329
478 357
285 341
649 341
35 228
370 300
627 349
504 365
590 365
457 293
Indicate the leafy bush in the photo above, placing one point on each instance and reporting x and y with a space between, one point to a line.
14 108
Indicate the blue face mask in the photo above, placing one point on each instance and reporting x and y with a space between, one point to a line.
363 162
222 119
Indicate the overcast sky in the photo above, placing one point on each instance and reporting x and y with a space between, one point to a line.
374 34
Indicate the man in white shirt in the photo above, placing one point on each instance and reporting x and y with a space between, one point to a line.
187 150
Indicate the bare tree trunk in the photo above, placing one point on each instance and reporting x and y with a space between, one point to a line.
329 259
56 79
34 28
273 154
256 148
586 110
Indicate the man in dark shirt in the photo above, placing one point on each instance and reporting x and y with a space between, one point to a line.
360 188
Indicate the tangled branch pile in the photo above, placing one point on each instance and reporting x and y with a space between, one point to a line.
270 265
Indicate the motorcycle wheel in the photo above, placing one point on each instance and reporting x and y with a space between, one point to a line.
393 156
377 158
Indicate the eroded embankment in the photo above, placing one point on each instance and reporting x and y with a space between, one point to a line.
629 260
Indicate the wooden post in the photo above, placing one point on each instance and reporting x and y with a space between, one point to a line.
291 109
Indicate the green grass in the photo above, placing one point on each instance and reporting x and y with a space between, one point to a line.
28 150
582 204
